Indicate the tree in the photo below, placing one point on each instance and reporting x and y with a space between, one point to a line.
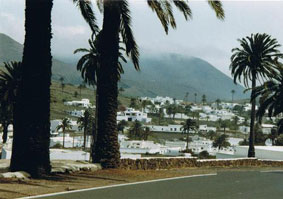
203 100
65 125
30 151
133 103
233 92
160 115
9 82
252 62
31 136
195 97
117 19
62 84
221 142
189 125
271 97
136 132
218 101
121 126
85 123
224 124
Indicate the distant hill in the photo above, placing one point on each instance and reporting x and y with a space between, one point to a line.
174 75
11 50
167 75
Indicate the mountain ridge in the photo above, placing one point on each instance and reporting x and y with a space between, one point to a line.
165 75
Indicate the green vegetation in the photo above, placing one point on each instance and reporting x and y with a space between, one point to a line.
256 59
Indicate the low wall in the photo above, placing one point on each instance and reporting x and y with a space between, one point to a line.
169 163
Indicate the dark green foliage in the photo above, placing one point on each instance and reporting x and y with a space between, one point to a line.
9 83
189 125
86 124
221 141
121 126
255 60
205 155
138 132
65 125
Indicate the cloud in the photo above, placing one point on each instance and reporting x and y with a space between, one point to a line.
69 31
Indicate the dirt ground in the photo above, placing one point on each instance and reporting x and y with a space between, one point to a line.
66 182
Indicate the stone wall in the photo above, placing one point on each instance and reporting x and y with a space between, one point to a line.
168 163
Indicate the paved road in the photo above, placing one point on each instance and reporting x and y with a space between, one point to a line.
224 185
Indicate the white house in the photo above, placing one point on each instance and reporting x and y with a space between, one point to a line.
169 128
76 113
132 115
266 128
83 103
205 128
244 129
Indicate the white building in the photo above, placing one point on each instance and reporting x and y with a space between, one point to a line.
83 103
266 128
76 113
132 115
244 129
205 128
168 129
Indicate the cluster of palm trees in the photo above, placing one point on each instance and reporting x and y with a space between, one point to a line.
257 61
31 110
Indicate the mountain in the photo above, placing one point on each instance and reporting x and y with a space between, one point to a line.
167 75
11 50
174 75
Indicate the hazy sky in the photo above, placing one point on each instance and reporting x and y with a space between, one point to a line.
204 36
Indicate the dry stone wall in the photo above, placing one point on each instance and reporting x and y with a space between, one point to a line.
169 163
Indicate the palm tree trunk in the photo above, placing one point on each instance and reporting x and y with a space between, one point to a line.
107 146
251 152
5 132
187 146
63 138
32 121
85 127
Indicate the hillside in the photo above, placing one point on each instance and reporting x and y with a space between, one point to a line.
11 50
174 75
166 75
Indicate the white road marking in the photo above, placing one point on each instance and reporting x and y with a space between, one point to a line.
271 171
117 185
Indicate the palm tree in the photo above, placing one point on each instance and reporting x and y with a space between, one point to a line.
9 82
121 125
62 84
195 98
203 99
84 123
271 96
221 142
117 20
65 125
187 127
233 92
31 137
30 151
218 101
252 62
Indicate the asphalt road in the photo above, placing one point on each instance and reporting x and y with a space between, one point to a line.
224 185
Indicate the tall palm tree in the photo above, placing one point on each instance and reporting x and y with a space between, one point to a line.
189 125
10 77
254 61
195 98
271 97
65 125
233 92
84 123
32 109
117 20
89 65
